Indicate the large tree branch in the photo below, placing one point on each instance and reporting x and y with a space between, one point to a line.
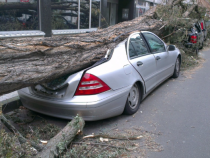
189 10
29 61
59 143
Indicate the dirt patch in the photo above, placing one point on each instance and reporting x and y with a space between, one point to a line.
189 61
116 143
10 146
134 142
206 45
24 120
197 64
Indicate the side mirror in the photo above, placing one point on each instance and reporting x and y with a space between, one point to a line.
171 48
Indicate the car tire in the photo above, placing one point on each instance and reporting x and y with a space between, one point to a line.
196 50
133 100
201 46
176 68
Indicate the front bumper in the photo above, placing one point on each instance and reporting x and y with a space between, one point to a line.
110 106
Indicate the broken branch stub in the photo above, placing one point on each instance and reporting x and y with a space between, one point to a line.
59 143
186 14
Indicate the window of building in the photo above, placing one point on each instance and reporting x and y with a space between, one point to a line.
110 17
64 14
95 13
18 15
84 14
141 2
140 11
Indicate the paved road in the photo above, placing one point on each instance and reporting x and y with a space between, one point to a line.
179 109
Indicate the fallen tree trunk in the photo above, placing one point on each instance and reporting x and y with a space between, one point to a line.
28 61
59 143
18 134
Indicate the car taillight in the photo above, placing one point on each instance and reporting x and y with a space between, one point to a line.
90 85
201 25
193 39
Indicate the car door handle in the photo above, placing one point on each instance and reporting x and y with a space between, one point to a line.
139 63
157 58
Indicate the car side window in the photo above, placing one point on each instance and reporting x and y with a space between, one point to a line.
155 43
137 46
198 28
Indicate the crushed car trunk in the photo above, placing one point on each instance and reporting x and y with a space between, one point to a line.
57 88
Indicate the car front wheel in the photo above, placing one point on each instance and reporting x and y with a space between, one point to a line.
176 68
133 100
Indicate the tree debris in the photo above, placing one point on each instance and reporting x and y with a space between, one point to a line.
29 61
59 143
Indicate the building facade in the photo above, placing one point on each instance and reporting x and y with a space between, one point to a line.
143 5
20 18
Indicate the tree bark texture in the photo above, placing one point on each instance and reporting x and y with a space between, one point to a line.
17 133
186 14
59 143
28 61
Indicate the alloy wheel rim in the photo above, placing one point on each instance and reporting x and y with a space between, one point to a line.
133 97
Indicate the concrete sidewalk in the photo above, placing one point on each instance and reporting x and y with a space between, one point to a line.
6 98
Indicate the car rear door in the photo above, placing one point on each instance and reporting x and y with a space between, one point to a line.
142 60
199 33
157 46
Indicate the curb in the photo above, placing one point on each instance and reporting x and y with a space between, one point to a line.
7 98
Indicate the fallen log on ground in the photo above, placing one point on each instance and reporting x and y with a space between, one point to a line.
57 144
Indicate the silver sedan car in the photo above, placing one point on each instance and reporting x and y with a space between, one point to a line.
116 84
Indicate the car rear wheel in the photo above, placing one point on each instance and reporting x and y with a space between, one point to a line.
133 100
196 50
176 68
201 47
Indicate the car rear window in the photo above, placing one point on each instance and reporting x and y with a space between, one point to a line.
137 46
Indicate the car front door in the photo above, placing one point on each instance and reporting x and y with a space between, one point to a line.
164 67
142 60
